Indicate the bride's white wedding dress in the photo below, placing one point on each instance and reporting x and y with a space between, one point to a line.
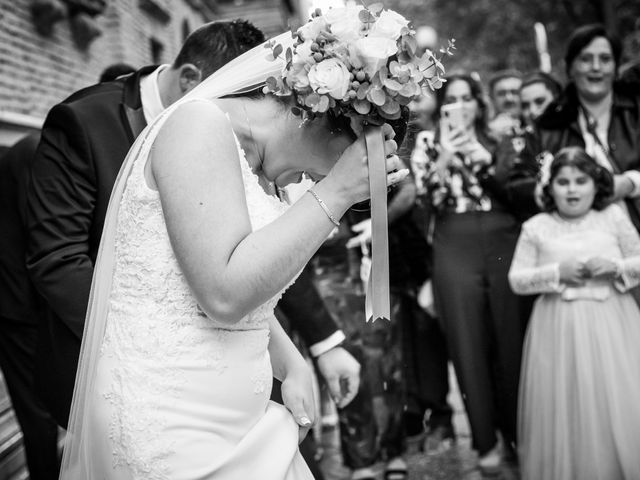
179 395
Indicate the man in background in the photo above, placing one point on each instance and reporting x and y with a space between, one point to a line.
504 90
20 308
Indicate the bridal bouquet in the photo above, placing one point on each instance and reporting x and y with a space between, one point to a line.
356 61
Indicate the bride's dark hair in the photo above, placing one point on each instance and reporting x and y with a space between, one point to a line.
337 123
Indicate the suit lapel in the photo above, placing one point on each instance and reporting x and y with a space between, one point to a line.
131 106
137 122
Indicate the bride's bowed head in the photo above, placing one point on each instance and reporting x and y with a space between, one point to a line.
360 63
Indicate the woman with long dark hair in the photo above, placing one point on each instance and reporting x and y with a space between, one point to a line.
473 241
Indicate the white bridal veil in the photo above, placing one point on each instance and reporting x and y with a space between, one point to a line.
243 74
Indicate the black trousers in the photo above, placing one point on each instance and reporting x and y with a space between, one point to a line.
484 322
40 432
404 362
425 361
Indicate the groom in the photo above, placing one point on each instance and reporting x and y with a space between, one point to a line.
84 142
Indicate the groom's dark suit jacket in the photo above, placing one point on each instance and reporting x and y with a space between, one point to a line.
84 142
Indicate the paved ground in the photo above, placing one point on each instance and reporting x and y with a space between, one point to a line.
458 463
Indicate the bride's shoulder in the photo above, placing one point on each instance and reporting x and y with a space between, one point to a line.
193 131
195 123
198 112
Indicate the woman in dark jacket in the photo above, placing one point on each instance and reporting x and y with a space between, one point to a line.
598 114
473 241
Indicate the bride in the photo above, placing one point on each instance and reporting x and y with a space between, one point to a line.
181 343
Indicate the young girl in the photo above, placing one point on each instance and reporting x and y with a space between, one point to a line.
580 385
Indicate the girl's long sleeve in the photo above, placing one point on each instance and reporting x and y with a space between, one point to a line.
526 277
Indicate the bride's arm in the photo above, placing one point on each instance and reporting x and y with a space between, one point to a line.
231 269
291 369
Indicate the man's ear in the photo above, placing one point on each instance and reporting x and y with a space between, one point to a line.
190 76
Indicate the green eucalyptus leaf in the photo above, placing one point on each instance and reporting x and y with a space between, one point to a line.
377 96
277 50
361 94
363 107
312 99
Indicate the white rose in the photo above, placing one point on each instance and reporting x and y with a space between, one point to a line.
374 52
345 23
330 76
297 76
388 25
310 30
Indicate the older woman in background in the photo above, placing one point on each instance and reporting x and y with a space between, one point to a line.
598 113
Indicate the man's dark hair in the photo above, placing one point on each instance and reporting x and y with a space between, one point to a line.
213 45
114 71
583 36
501 75
576 157
553 85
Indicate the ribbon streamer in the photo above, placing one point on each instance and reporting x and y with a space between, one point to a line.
377 296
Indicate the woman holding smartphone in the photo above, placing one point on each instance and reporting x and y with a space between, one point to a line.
474 238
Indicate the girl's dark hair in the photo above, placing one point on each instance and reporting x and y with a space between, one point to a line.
583 36
476 92
578 158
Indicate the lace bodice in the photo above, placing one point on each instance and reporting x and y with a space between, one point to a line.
147 276
547 240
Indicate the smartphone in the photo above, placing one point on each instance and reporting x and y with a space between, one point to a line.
453 115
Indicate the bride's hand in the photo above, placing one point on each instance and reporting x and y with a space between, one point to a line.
349 177
298 397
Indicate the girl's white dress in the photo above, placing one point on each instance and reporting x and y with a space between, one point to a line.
580 385
179 395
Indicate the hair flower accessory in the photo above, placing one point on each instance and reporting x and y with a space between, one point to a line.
356 61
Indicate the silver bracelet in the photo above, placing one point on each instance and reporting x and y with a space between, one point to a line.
325 208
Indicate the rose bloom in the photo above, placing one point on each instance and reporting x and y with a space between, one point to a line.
310 30
345 23
374 52
330 76
298 76
388 25
303 52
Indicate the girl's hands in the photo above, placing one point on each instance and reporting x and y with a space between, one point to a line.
299 398
349 177
573 272
598 267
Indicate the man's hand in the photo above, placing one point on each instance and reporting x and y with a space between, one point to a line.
503 125
363 229
622 187
342 374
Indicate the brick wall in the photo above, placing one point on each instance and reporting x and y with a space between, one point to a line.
36 71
